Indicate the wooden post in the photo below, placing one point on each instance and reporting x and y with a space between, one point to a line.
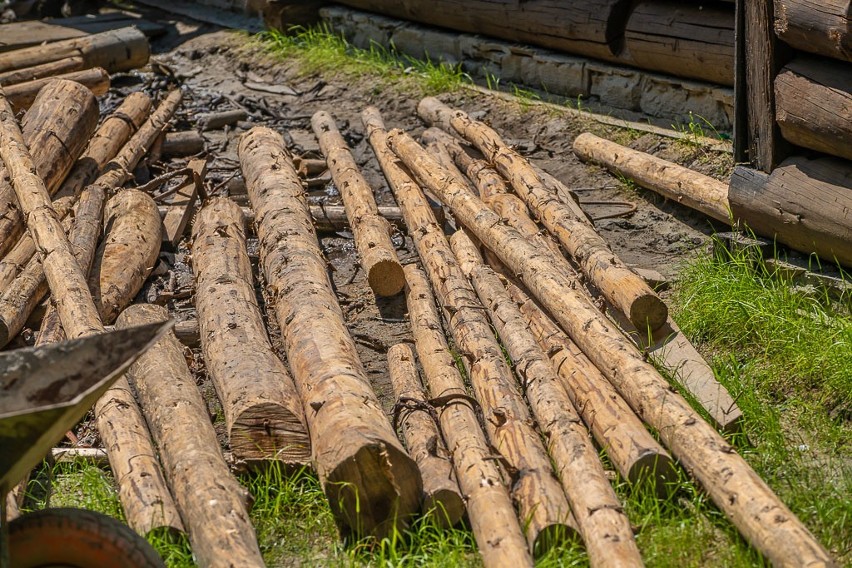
263 413
442 500
541 501
22 95
116 51
50 69
620 285
735 488
672 181
489 506
56 128
112 134
371 231
147 503
372 485
600 517
212 503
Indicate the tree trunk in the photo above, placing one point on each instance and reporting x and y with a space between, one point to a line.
683 39
489 506
541 500
637 456
50 69
608 273
804 204
263 413
735 488
600 517
212 503
372 485
110 137
813 105
371 231
593 29
56 128
116 51
817 27
22 95
442 500
689 188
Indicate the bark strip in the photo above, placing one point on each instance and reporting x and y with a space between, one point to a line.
211 501
372 484
371 231
735 488
263 413
441 497
620 285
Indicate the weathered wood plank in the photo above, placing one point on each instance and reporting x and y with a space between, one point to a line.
181 205
34 32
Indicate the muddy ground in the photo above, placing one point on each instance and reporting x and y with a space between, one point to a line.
221 70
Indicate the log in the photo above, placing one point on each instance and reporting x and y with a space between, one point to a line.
116 51
181 204
372 485
593 29
183 143
683 39
211 501
637 456
22 95
730 482
541 501
112 134
310 167
49 69
26 33
56 127
489 506
371 231
817 27
607 272
600 517
672 181
263 414
442 500
219 120
146 500
813 105
804 204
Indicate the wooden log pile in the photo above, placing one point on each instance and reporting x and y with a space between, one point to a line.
515 449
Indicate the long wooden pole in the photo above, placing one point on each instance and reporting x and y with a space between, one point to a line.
263 413
541 500
735 488
371 231
600 517
372 485
489 505
620 285
22 95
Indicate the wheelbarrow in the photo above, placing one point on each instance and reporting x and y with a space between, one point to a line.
44 392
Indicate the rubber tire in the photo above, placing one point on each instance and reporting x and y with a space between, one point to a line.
77 538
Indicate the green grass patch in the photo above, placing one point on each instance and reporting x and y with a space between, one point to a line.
320 50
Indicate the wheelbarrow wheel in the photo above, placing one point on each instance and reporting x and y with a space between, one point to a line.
77 538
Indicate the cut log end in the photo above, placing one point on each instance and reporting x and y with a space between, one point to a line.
554 536
369 492
270 430
386 277
444 507
648 311
656 471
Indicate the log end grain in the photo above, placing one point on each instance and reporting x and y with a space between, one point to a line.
648 311
382 471
270 429
444 506
386 277
656 471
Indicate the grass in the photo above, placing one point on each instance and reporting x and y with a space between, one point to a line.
319 50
